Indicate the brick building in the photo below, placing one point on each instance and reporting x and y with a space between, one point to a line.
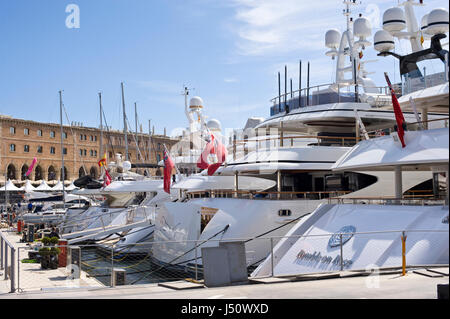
22 140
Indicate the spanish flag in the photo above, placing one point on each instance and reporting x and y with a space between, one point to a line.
102 162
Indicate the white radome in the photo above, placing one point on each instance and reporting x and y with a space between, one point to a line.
394 20
196 103
214 125
437 21
362 28
332 38
126 165
383 41
424 24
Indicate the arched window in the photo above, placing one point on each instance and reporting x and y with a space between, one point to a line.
51 173
23 172
93 172
66 176
38 173
81 172
11 172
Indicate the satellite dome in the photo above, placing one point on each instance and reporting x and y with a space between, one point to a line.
126 165
383 41
424 24
437 21
196 103
214 125
332 39
394 20
362 27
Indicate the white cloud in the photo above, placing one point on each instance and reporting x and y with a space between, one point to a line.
230 80
274 27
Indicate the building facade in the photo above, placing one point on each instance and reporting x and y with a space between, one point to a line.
22 140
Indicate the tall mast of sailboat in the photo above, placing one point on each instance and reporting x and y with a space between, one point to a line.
101 123
62 148
125 128
136 124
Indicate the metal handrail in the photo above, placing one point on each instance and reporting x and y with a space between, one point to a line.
278 195
421 200
415 123
4 243
286 96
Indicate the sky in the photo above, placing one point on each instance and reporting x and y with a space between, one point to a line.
228 52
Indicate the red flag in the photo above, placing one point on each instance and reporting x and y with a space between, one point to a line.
221 153
168 167
214 146
30 169
107 179
398 112
202 162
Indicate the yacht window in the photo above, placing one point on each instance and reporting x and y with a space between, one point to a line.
284 212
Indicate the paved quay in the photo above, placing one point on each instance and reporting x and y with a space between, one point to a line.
35 283
30 277
392 286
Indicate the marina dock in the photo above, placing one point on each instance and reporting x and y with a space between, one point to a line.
41 278
419 283
336 187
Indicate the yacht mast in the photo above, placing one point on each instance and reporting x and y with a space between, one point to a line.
136 124
62 149
125 127
101 123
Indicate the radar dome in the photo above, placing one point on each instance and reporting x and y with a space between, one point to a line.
196 103
424 24
332 39
383 41
362 27
126 165
214 125
437 21
394 20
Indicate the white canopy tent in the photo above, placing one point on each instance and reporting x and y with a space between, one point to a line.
28 187
44 187
10 187
58 186
71 187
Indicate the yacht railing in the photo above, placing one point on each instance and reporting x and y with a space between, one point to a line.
319 94
424 81
424 200
261 142
412 126
257 195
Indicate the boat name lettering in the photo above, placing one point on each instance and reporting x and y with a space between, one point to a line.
318 258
